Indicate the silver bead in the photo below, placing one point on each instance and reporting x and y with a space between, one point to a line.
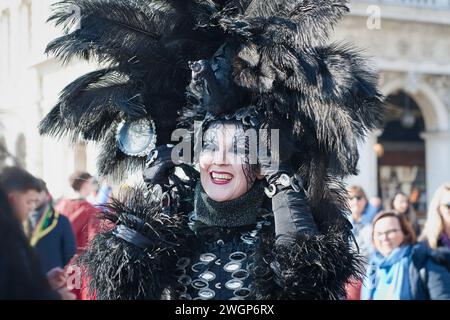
234 284
240 274
206 294
207 276
199 284
237 256
208 257
232 266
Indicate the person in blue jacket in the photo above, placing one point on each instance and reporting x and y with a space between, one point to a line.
50 233
399 268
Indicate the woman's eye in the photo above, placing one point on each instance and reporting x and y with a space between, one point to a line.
210 146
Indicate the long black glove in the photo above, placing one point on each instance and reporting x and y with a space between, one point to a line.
292 215
289 202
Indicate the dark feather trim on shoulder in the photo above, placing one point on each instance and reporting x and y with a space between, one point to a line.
118 269
312 267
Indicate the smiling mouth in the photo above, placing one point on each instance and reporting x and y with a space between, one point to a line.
220 177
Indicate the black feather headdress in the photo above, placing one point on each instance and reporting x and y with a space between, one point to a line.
171 62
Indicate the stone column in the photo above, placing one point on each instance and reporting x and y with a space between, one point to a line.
437 146
367 165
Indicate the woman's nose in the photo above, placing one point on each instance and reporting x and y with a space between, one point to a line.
220 158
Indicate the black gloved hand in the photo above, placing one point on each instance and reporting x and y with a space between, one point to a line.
292 215
159 166
290 207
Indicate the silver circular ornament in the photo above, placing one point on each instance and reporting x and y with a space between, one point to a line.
237 256
232 266
207 257
234 284
207 276
136 138
199 284
206 294
240 274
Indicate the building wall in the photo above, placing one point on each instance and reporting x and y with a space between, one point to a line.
29 86
410 50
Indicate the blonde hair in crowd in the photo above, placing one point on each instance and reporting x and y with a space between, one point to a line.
434 224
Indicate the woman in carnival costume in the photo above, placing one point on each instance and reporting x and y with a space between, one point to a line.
264 222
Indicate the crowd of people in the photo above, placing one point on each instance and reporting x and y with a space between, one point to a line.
41 237
402 262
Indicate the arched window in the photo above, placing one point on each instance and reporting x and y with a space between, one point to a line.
401 151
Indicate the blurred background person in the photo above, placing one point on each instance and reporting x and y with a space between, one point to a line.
437 226
21 276
436 233
101 194
82 215
377 203
401 203
92 197
50 233
399 268
362 213
22 190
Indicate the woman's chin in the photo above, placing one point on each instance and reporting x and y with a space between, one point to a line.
222 192
219 195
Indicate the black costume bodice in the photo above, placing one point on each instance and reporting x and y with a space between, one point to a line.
224 265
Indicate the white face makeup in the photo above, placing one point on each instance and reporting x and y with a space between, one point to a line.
222 163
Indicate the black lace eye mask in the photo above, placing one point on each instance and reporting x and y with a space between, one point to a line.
240 147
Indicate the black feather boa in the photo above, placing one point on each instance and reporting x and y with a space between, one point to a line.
313 267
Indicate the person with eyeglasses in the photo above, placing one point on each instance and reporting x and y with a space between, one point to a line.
400 268
361 214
